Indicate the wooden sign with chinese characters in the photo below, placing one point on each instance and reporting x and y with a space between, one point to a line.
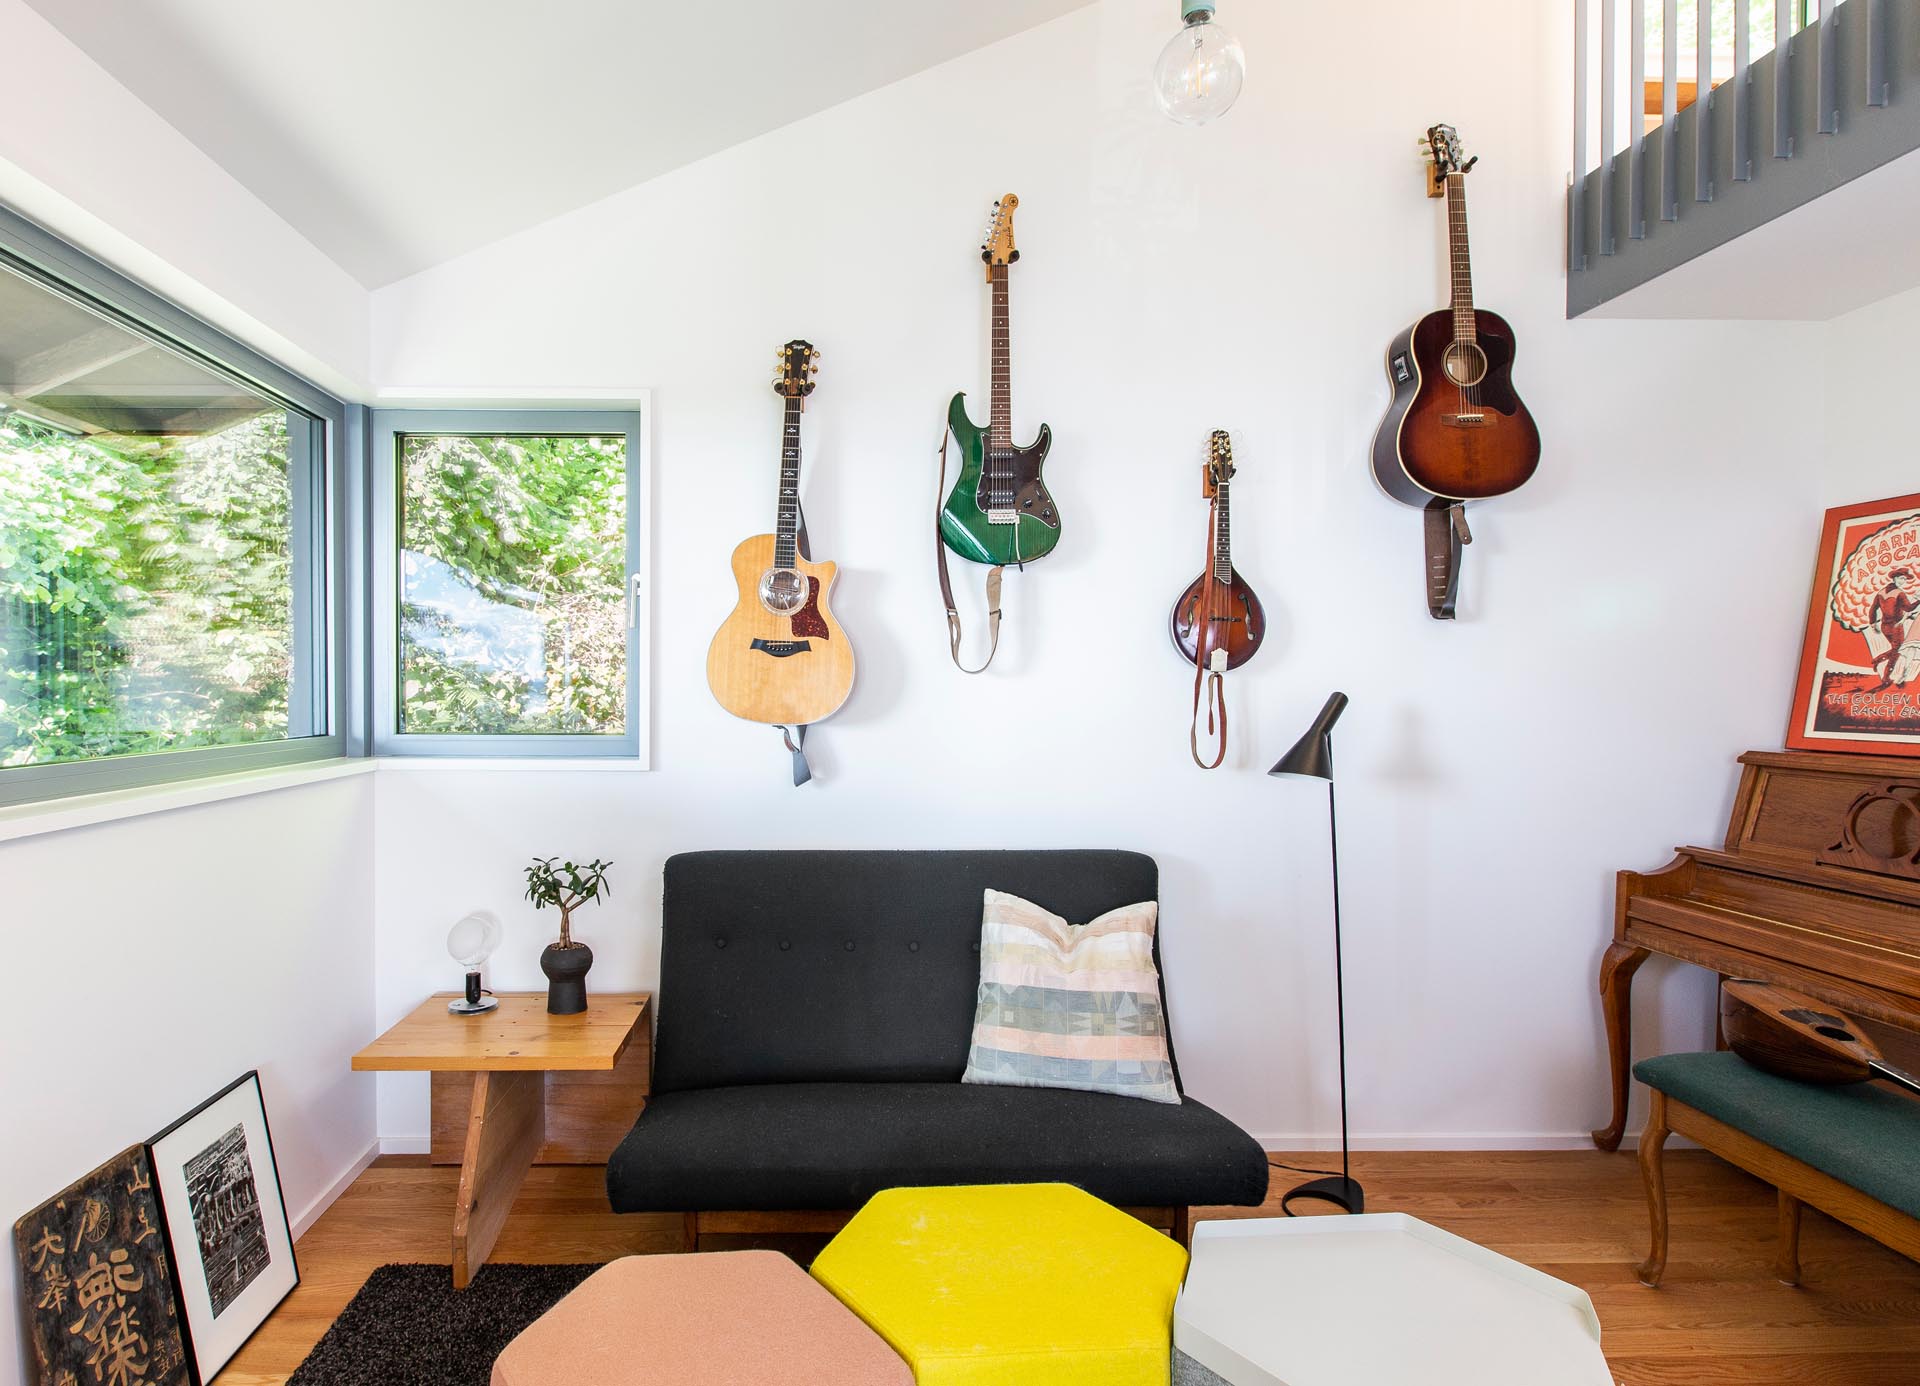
98 1293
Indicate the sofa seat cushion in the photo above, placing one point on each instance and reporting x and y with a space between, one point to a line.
834 1145
1863 1134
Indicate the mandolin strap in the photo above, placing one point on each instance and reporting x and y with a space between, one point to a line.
1215 696
1446 530
946 583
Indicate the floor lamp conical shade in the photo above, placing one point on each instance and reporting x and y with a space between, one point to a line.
1312 758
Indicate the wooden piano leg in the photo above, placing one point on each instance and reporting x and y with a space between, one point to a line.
1622 960
1653 1174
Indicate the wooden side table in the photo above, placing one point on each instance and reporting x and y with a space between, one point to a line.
523 1086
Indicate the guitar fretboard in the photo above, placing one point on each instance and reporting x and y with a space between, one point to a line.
786 528
1465 329
1000 427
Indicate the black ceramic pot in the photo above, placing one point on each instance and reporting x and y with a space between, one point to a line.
566 970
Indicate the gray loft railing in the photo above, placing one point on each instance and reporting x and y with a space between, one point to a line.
1837 96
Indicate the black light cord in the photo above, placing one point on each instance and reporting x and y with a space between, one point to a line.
1299 1169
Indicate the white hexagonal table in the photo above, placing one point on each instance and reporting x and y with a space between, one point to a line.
1383 1297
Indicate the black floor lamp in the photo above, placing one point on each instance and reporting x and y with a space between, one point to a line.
1312 755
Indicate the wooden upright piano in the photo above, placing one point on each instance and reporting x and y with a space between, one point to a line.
1817 888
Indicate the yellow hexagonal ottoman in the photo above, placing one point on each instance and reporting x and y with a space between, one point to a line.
1010 1285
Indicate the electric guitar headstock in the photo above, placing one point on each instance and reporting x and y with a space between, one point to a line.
1220 466
998 247
797 364
1445 154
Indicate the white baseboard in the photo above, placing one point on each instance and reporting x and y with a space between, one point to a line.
406 1145
309 1215
1476 1140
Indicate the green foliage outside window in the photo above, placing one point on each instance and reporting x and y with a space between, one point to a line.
512 584
145 590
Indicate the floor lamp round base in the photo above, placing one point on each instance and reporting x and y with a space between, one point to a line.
1345 1194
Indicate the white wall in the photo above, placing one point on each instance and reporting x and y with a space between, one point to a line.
1623 634
83 156
1868 453
151 961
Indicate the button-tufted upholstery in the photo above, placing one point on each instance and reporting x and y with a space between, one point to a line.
815 1010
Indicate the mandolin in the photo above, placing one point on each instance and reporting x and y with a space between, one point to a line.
1455 430
1217 623
781 657
999 511
1794 1036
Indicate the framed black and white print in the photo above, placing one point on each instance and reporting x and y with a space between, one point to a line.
225 1220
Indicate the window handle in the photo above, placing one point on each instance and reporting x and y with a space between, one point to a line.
633 601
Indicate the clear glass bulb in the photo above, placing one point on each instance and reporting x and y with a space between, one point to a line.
473 940
1199 72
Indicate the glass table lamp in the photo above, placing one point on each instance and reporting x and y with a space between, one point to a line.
471 942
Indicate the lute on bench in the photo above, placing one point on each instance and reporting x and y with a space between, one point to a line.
1795 1036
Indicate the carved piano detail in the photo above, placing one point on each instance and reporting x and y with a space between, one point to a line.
1817 888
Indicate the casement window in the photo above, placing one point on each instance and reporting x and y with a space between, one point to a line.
168 602
507 608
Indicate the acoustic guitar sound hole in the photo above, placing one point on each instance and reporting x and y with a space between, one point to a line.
783 591
1834 1032
1465 364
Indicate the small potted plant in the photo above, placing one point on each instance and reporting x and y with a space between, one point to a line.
565 961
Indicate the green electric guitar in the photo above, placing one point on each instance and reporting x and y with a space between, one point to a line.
999 511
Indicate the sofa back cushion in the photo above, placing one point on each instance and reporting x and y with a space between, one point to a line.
1066 1005
803 967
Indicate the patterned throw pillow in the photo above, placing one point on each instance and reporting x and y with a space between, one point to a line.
1070 1005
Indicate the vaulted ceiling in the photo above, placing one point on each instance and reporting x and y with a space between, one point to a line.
395 134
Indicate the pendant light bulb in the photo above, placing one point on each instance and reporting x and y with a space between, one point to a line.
1200 71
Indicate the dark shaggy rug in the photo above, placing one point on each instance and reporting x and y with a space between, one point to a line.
408 1326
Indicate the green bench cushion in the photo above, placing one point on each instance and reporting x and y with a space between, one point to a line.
1863 1134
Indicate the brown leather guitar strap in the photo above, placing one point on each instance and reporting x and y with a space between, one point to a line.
1209 685
1215 685
946 583
1446 529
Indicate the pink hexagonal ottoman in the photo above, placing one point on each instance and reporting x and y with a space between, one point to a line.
728 1317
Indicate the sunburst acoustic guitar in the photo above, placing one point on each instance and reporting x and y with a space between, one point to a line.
1456 430
781 658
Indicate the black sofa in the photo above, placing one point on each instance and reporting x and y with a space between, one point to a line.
815 1012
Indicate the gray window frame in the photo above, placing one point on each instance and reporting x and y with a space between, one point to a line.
330 587
384 430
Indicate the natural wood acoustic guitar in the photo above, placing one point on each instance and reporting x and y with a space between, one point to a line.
781 657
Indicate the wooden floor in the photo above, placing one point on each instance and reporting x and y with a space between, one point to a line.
1720 1318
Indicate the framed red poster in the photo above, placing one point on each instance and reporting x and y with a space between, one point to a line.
1859 684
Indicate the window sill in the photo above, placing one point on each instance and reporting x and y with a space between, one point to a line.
566 765
57 815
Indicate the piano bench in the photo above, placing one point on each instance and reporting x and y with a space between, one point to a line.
1849 1151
